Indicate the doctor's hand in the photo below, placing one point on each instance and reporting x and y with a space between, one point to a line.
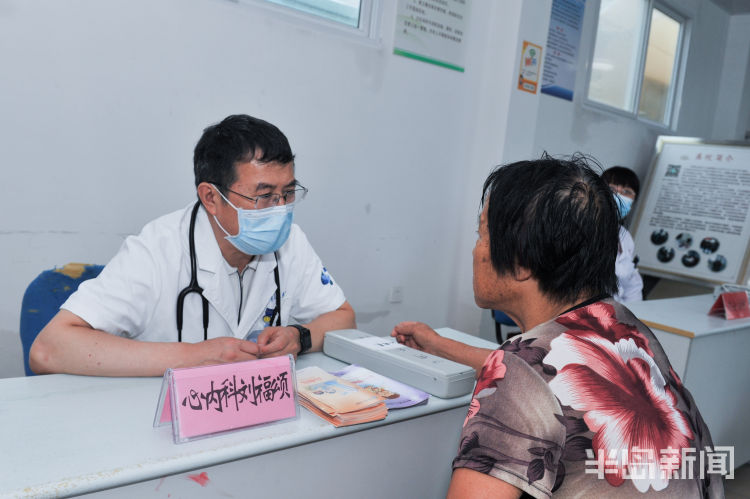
222 350
417 335
278 340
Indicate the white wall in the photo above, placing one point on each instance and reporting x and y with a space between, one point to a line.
503 119
700 97
101 105
732 118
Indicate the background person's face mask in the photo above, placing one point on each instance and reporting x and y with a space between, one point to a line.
623 204
260 231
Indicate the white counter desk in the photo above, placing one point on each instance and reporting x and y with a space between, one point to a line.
72 435
710 354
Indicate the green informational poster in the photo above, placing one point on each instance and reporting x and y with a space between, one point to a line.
432 31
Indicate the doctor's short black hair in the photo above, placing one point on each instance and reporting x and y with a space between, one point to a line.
556 218
237 138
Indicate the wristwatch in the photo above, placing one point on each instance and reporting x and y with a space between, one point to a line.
305 340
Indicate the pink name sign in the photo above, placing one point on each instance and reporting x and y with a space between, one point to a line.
731 305
202 401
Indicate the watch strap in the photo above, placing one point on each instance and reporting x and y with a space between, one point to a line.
305 339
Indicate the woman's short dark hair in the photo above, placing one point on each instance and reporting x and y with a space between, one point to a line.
237 138
557 219
619 175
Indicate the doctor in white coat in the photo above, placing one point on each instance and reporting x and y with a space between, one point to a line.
252 286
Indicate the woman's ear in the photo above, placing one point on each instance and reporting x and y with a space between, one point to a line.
522 274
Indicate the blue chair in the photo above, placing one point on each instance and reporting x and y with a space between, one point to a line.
501 318
43 298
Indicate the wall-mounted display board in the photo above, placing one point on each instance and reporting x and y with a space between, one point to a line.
432 31
563 39
693 220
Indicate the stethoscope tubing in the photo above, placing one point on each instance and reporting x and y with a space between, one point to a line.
194 287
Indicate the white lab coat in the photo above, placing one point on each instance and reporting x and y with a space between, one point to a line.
135 296
629 281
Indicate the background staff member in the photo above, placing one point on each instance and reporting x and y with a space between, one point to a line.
254 286
625 187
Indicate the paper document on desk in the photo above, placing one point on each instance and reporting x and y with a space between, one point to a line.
397 395
337 401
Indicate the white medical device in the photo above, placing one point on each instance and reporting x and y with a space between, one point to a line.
384 355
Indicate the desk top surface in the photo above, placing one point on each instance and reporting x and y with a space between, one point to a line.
64 435
689 313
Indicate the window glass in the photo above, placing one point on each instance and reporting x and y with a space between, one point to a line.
341 11
658 72
614 68
634 66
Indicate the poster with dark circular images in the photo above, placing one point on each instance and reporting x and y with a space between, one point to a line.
659 237
695 198
684 240
709 245
717 263
691 258
665 254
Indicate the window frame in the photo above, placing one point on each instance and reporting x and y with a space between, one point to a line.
367 31
678 71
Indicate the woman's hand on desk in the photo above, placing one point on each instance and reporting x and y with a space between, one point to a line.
418 335
423 337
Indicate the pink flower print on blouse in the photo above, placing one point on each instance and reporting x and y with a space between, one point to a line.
473 410
627 405
599 319
493 369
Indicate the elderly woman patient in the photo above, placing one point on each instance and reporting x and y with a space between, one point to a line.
585 402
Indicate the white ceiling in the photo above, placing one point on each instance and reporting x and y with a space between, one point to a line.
734 6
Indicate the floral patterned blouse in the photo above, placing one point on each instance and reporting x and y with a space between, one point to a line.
588 405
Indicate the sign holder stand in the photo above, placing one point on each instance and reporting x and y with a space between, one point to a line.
211 400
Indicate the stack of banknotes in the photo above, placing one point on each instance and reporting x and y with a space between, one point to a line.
336 400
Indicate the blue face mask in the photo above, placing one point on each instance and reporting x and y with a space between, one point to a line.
623 204
260 231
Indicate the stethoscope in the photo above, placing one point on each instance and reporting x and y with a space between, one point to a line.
193 286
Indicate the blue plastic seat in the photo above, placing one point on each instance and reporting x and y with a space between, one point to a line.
43 298
501 318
